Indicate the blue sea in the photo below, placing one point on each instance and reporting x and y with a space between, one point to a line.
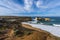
53 26
54 20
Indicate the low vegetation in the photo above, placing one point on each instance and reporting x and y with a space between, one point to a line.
13 30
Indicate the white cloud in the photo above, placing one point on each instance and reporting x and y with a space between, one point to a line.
8 7
40 5
28 4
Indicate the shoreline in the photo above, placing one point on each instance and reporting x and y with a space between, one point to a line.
52 29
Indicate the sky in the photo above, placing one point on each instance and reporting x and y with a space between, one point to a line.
29 7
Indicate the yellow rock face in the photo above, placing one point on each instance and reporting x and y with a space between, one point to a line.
47 19
42 19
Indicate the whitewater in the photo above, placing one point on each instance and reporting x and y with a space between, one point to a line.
52 29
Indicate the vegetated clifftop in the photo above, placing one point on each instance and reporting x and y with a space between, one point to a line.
39 34
16 18
14 30
25 32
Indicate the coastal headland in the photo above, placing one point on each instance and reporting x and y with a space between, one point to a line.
11 28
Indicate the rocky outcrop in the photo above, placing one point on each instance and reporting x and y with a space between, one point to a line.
42 19
17 31
47 19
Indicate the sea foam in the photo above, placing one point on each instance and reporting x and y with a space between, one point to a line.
52 29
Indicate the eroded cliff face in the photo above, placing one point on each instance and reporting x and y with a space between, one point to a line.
17 31
27 32
39 34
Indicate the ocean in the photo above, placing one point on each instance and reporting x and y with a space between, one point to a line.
53 21
53 26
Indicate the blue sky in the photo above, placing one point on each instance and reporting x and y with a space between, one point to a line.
30 7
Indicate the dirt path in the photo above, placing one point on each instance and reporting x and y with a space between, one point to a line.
30 27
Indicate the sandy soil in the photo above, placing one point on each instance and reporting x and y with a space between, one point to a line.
27 32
